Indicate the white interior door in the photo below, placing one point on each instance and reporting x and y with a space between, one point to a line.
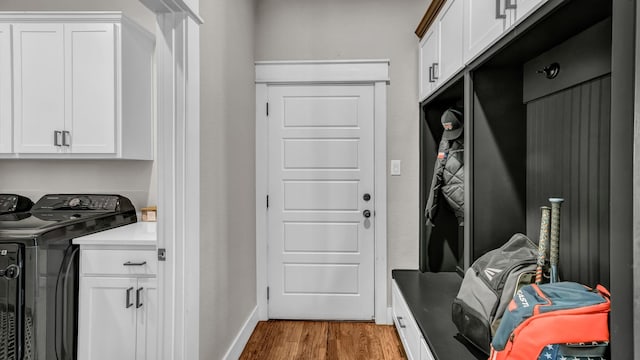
321 245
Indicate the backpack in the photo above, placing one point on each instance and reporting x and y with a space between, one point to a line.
489 285
563 320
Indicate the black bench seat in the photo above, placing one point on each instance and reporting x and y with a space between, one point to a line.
429 297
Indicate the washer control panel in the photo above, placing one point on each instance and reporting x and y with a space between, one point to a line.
12 203
81 202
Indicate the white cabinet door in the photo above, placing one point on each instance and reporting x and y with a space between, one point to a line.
524 7
429 58
484 21
6 132
38 60
450 28
147 305
425 352
107 318
90 89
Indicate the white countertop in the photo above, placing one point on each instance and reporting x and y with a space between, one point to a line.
140 233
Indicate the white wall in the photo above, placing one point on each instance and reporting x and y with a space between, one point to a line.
227 165
362 29
34 178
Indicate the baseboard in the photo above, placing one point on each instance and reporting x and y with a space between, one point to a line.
389 315
235 350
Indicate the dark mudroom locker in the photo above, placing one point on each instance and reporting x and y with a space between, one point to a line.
548 112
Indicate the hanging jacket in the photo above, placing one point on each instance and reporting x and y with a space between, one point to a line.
448 180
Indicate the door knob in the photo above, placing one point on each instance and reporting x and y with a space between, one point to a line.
366 213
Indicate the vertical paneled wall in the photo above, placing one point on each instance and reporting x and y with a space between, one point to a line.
568 156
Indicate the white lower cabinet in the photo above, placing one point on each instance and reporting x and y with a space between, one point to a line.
415 347
425 352
117 312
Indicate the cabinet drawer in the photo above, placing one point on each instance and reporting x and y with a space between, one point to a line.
112 262
408 330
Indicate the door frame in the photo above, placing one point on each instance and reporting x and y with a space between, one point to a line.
177 62
346 72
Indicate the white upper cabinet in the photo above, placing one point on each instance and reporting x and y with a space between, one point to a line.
440 54
91 88
428 60
5 90
39 84
82 86
522 8
450 31
486 21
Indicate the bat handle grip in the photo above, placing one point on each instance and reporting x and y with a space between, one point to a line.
555 237
543 240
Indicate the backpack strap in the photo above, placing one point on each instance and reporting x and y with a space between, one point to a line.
603 290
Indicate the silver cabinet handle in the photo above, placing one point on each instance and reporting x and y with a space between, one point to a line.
508 4
431 80
56 138
499 15
139 298
129 263
66 138
435 67
129 303
402 325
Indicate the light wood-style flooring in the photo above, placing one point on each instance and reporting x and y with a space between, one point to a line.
323 340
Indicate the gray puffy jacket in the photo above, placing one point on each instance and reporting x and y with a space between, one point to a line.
448 180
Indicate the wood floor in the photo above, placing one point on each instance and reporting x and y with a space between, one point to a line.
323 340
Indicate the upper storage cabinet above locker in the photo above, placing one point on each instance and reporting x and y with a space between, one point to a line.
486 21
453 32
441 48
82 86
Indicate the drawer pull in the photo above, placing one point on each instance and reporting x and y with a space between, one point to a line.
138 298
129 263
129 303
402 325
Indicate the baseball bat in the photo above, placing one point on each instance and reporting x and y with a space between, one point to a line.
542 243
555 237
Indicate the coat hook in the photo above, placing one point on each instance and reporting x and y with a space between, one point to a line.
550 71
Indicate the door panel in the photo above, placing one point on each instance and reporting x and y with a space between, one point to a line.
147 319
524 7
11 304
451 30
6 132
91 103
484 22
38 61
321 247
103 311
428 57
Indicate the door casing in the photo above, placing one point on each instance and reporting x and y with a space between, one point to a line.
374 72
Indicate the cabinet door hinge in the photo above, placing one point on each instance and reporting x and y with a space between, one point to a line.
267 109
267 293
162 254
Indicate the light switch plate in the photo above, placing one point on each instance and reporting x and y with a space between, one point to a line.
395 167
